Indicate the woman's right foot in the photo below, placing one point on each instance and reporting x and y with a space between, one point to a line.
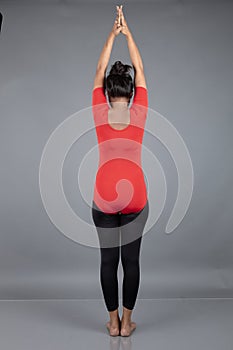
127 328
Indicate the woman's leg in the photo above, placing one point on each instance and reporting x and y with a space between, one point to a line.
107 226
108 276
130 263
131 232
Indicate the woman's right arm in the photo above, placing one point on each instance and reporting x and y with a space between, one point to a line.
139 76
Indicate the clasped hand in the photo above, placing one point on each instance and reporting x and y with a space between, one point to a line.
120 25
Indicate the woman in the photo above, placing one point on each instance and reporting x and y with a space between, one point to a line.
120 201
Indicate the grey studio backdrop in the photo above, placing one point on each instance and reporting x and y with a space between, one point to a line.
48 55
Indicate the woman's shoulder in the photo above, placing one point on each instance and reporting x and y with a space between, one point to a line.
98 95
141 95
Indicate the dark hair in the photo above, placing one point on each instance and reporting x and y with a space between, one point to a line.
119 82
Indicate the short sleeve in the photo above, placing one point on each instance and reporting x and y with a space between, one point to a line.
98 96
99 106
141 96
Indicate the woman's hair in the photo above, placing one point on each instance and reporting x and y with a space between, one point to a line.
119 82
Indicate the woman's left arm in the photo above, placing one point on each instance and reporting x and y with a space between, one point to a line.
106 53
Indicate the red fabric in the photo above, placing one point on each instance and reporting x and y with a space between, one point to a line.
119 184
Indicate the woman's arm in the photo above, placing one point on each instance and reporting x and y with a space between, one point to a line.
106 53
103 61
139 76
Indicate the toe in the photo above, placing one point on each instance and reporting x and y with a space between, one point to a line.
133 325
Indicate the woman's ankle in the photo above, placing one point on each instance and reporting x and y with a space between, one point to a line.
114 315
126 316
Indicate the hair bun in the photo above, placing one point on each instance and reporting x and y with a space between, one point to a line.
118 68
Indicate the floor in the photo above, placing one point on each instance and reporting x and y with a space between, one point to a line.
80 324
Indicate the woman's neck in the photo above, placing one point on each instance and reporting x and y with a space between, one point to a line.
119 106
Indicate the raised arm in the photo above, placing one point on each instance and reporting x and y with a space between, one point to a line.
106 53
139 76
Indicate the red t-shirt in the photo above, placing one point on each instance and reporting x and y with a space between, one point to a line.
119 183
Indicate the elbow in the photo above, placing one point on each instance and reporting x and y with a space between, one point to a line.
138 68
100 68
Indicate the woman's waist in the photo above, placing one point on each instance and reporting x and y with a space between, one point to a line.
120 166
123 161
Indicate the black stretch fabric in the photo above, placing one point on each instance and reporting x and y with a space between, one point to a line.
120 235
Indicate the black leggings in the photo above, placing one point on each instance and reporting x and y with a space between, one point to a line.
131 228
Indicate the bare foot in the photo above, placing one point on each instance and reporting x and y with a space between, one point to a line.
114 329
127 328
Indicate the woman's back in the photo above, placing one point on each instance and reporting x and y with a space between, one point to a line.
119 183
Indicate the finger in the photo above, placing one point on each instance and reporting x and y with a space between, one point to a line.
117 23
117 19
122 16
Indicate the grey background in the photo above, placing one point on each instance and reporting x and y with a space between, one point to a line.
48 55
